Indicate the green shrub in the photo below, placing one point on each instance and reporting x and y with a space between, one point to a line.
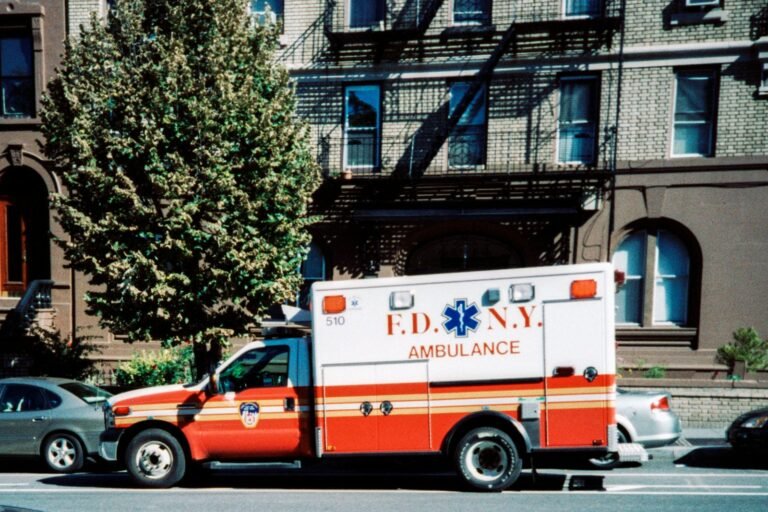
655 372
54 356
747 346
167 366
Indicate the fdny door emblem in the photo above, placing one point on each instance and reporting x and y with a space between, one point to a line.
249 414
461 318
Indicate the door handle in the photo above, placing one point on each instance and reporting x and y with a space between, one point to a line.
563 371
39 418
289 404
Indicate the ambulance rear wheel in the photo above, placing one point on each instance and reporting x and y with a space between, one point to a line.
155 458
487 459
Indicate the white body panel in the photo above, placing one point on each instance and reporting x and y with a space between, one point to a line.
465 325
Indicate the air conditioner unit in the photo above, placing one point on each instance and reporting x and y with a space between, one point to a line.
702 3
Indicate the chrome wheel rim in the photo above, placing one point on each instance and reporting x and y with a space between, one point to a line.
154 459
61 453
486 461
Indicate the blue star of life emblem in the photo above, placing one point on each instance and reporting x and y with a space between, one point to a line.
461 318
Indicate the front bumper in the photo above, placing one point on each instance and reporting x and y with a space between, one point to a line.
108 443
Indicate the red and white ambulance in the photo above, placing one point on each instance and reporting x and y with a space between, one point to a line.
488 368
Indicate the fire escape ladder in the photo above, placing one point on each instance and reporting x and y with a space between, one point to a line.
476 84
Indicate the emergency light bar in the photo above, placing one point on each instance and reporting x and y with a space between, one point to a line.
521 292
334 304
401 300
584 289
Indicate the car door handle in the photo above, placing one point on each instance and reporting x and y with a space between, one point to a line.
39 418
289 404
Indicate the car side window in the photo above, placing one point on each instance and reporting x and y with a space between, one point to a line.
21 398
54 400
263 367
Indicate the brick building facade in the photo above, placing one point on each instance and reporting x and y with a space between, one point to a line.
471 134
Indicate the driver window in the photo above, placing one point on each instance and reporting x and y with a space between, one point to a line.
263 367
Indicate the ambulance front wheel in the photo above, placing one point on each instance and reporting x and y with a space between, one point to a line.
487 459
155 458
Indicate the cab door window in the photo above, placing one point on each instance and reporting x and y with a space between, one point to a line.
263 367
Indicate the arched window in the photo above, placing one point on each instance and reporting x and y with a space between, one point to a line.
461 253
664 300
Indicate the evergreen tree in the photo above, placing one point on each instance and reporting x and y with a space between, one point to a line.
187 174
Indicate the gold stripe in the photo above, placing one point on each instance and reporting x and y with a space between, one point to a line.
597 404
579 391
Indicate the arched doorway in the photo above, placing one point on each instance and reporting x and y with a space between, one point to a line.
24 243
459 253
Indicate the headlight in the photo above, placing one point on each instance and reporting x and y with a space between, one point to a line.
756 422
109 418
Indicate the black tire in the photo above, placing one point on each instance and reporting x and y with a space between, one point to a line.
63 453
610 460
154 458
487 459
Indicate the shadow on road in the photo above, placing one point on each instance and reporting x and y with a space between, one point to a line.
724 457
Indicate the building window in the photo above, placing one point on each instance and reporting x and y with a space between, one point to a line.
694 113
362 125
466 144
267 11
664 300
577 125
365 13
472 12
312 270
17 85
583 8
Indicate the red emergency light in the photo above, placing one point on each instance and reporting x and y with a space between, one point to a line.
583 289
334 304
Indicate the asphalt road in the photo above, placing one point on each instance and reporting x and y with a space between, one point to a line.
704 479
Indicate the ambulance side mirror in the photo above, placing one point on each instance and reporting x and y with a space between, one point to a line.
213 384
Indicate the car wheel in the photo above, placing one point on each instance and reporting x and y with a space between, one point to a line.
154 458
609 460
63 453
487 459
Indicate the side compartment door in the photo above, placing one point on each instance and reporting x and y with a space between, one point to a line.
403 406
576 399
376 408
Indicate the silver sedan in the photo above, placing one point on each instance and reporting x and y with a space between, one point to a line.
643 417
57 419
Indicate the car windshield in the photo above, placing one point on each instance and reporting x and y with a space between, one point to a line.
85 392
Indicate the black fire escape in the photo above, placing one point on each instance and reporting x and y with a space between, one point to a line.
419 185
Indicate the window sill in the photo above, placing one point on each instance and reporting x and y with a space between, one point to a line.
657 336
699 17
20 122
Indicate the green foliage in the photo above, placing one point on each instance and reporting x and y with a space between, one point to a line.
54 356
655 372
168 366
747 346
187 173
